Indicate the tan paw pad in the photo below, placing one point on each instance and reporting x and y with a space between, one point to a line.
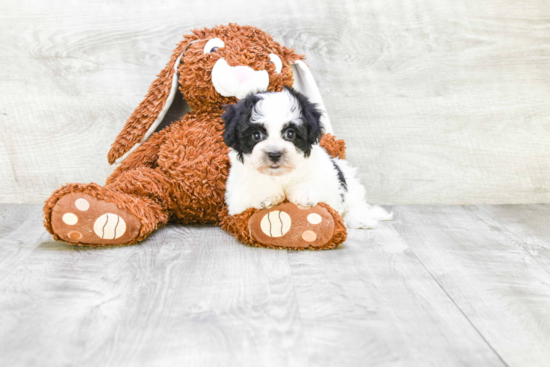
82 204
309 236
70 219
74 235
109 226
276 223
314 218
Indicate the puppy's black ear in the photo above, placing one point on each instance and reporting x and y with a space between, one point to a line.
235 117
312 118
230 119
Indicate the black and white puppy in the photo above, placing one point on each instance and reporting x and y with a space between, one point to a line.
275 155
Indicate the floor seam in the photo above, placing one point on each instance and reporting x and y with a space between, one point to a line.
450 298
510 237
297 305
462 312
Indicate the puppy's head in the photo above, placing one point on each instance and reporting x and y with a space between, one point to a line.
274 131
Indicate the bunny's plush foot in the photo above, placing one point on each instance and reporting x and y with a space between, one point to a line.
85 219
287 226
97 216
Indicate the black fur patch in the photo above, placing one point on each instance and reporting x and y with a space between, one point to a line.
312 130
341 177
300 140
238 128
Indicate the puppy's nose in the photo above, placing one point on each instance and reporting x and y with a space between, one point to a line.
274 156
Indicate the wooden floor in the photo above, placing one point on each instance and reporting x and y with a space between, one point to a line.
438 286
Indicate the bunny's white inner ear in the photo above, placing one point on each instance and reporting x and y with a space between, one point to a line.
162 113
305 84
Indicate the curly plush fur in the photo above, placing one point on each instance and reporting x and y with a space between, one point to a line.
179 173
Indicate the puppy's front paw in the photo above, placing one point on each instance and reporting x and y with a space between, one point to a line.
304 199
271 201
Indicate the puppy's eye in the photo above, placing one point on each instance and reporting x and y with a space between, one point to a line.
290 134
213 45
276 60
257 136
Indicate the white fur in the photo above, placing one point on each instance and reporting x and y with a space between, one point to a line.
313 180
304 181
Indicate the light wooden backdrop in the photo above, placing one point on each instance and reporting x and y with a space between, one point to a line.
440 101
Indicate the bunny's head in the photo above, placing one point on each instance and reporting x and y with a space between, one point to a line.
214 67
227 63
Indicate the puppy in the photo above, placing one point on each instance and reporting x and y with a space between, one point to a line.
275 155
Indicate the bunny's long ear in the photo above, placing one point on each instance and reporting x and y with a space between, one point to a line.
305 84
150 112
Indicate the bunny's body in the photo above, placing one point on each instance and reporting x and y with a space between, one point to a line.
187 166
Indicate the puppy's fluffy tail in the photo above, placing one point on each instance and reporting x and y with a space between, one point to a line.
366 216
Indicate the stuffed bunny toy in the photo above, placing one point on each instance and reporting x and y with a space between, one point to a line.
178 173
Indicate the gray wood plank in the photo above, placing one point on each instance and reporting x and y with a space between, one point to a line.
500 287
188 296
21 231
439 101
372 303
527 226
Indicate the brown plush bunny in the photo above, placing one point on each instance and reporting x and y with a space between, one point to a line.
179 173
